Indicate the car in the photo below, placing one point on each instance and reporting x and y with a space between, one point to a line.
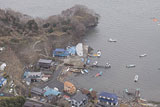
11 90
12 85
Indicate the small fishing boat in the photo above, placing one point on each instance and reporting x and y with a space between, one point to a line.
98 53
95 63
112 40
143 55
136 78
98 74
85 70
82 72
131 66
108 65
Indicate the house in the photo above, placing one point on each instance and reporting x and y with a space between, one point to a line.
105 98
44 63
79 100
59 52
34 76
69 88
32 104
3 81
37 91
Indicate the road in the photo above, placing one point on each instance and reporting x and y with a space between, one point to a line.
54 82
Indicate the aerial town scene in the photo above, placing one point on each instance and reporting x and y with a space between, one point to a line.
79 53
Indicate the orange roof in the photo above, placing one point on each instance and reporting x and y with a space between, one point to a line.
66 83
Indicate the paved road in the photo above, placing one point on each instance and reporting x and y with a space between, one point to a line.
54 82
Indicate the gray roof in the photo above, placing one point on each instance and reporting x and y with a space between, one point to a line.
79 96
45 61
36 90
34 73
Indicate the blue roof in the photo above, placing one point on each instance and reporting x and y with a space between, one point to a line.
108 97
59 49
2 80
51 92
72 50
60 52
25 74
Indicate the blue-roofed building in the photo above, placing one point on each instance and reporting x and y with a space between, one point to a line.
3 81
105 98
51 91
59 52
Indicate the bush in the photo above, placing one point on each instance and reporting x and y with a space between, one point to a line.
46 25
50 30
12 101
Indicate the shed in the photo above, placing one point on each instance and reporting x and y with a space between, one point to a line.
37 91
79 100
69 87
105 98
59 52
44 63
3 81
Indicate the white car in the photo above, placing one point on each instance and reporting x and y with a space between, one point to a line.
11 90
12 85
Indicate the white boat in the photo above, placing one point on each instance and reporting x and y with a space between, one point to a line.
82 71
112 40
98 53
143 55
108 65
131 66
95 63
136 78
79 49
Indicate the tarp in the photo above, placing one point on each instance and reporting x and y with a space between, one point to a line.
51 91
79 49
2 81
3 66
72 50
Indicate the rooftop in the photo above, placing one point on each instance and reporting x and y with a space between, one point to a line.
79 96
44 61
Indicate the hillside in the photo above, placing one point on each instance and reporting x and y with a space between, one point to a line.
26 39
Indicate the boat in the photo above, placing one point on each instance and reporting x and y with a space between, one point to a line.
95 63
98 74
82 71
108 65
85 70
143 55
136 78
98 53
131 66
112 40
